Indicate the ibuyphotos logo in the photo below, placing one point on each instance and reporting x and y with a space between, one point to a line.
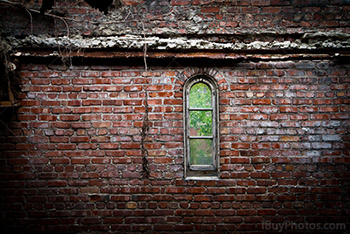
287 226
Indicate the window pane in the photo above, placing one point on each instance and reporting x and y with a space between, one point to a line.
201 151
200 96
201 123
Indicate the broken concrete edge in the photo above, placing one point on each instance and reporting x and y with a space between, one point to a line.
216 57
309 41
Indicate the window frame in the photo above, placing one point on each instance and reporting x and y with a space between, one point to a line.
201 170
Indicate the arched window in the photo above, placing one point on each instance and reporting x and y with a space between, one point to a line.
201 127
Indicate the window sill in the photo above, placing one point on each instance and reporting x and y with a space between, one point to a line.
202 178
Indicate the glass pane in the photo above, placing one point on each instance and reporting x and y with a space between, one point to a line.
201 123
200 96
201 151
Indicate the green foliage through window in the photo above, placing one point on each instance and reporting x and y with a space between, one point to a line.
200 96
200 121
201 124
201 151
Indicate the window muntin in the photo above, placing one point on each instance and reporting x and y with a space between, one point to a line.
201 127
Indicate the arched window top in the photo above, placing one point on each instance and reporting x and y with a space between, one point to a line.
201 127
200 96
201 79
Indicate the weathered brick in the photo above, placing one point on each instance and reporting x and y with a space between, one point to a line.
72 149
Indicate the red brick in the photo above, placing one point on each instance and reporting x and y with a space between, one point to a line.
196 190
183 227
109 145
38 81
130 145
133 88
162 160
69 117
57 183
90 74
132 102
180 2
256 190
172 102
164 227
236 190
262 102
240 145
210 9
80 160
51 103
120 198
202 198
66 146
328 109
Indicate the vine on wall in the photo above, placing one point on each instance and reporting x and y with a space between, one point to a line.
7 69
138 15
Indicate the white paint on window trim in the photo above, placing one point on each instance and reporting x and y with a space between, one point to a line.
206 172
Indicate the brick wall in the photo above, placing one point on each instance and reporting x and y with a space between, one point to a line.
181 17
71 155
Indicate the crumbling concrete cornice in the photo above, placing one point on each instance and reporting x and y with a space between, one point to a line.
309 41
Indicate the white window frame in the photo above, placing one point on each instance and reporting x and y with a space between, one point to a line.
201 170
